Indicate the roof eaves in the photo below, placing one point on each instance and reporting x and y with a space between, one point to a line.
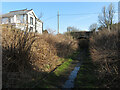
19 10
39 20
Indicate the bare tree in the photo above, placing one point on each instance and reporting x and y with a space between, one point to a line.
40 15
93 27
106 18
51 31
72 29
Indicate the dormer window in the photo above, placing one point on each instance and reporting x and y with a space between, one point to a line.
31 20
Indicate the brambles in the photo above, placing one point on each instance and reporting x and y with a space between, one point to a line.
31 54
104 49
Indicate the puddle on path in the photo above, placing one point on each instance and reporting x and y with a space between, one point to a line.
70 82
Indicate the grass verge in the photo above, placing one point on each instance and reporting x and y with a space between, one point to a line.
62 68
86 77
54 79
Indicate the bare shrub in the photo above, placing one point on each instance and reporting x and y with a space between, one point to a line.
31 54
104 52
16 46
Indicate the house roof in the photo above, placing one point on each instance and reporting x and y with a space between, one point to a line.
17 12
39 20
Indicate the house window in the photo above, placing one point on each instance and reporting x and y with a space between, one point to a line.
31 20
21 18
9 20
5 21
31 29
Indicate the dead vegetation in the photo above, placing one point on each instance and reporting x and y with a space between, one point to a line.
105 52
31 53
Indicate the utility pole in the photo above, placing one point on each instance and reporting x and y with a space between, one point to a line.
58 21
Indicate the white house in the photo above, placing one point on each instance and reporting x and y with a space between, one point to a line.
23 19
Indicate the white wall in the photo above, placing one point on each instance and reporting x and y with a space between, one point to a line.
39 26
30 14
12 19
22 20
22 27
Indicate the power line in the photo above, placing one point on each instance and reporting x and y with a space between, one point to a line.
80 14
50 18
71 15
77 14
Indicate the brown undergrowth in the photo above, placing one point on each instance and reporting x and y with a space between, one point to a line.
30 53
105 52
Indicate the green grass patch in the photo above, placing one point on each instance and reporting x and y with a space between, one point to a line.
62 68
86 77
55 77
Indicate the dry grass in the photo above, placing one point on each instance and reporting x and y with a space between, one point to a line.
30 53
104 49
